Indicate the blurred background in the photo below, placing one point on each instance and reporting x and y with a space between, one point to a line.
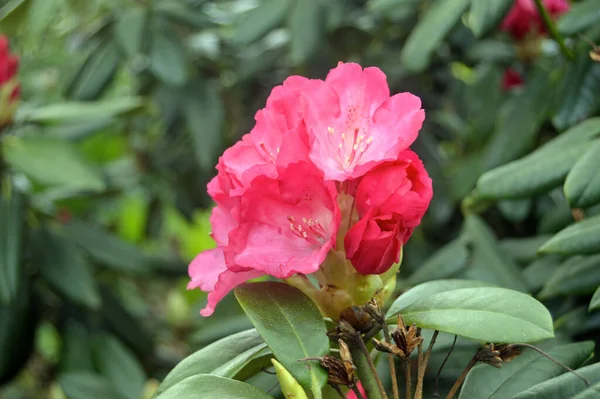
126 106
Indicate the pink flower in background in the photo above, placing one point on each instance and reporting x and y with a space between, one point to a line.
390 200
353 124
511 79
523 19
10 89
352 395
277 188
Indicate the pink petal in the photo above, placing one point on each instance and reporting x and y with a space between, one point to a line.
205 269
228 280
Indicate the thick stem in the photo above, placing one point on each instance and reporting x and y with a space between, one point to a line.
423 366
386 335
369 379
408 377
461 379
551 27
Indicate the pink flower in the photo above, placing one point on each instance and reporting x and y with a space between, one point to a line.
390 200
9 87
523 18
352 395
354 124
511 79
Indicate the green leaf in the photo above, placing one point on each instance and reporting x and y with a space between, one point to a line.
595 302
204 116
582 186
261 20
119 366
12 15
96 73
591 392
72 112
306 22
488 261
211 386
540 270
289 385
130 28
52 162
11 215
578 275
41 13
579 95
224 358
487 314
108 249
486 15
564 386
447 262
291 325
428 289
178 12
61 265
86 385
580 238
534 174
527 370
425 38
580 16
585 131
168 59
77 350
523 250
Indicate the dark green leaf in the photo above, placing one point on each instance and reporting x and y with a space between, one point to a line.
580 16
86 385
439 19
168 60
578 275
96 73
261 20
224 358
487 314
445 263
515 211
591 392
77 350
527 370
61 265
580 238
491 51
486 15
523 250
11 215
595 302
291 325
564 386
108 249
540 270
73 112
52 162
210 386
488 261
306 22
580 92
178 12
204 115
582 186
585 131
130 28
119 366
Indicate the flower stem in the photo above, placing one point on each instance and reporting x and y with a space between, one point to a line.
423 366
367 373
386 335
408 377
551 26
462 377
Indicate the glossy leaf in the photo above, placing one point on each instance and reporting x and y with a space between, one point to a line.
223 358
488 314
96 73
527 370
118 365
580 238
523 250
595 302
564 386
447 262
306 21
73 112
428 289
261 20
580 16
168 60
292 327
211 386
11 215
52 162
582 186
86 385
486 15
578 275
62 266
440 17
130 28
540 270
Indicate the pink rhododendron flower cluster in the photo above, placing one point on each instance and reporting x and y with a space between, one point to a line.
9 87
524 20
327 167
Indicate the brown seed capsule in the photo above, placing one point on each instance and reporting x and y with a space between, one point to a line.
495 355
406 340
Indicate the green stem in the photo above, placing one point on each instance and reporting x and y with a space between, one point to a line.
365 375
551 26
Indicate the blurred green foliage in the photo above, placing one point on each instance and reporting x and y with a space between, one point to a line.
127 105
